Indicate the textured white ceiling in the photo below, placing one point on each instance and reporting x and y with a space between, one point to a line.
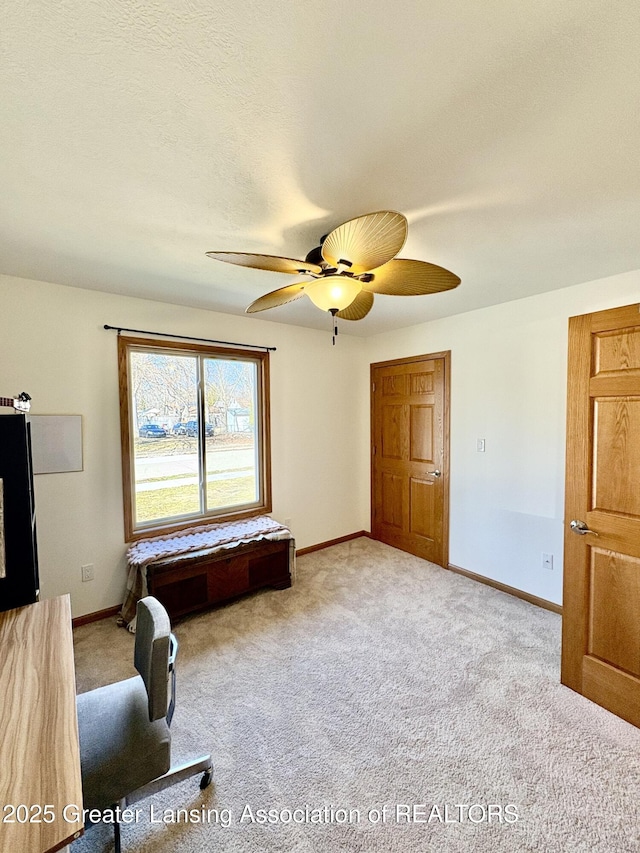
137 135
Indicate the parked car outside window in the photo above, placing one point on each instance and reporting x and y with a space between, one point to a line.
192 428
179 429
152 431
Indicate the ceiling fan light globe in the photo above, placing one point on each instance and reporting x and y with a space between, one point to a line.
333 292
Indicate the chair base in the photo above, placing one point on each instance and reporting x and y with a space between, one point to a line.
176 774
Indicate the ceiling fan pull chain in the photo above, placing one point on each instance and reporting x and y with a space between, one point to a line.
333 312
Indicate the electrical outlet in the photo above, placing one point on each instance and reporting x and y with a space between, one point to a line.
480 445
87 572
547 561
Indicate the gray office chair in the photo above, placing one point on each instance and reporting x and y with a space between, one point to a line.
125 740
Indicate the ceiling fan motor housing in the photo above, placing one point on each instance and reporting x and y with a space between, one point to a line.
315 256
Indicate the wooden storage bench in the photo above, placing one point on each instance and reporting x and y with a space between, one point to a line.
193 582
205 565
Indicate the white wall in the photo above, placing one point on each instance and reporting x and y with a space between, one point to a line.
508 386
53 346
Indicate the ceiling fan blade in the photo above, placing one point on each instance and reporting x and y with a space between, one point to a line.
273 263
410 278
277 297
366 242
359 308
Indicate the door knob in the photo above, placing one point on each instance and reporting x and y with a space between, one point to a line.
436 473
581 528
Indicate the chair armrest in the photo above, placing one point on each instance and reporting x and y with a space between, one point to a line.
173 652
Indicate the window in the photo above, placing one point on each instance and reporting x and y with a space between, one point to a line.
195 434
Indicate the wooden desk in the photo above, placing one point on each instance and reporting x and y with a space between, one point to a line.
39 750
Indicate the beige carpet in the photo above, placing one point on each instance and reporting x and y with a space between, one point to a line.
377 681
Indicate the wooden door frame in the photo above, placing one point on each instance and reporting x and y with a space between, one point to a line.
446 416
577 459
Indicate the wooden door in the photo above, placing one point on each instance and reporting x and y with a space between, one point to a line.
601 609
410 455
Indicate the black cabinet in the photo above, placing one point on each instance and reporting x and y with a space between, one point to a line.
19 582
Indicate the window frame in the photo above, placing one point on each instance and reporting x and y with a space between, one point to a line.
126 344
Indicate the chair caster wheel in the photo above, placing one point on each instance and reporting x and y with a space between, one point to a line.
206 780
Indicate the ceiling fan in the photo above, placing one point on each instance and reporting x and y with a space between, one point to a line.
353 262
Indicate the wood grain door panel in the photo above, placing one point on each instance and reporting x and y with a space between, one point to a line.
601 609
614 626
617 352
424 516
394 429
410 440
421 433
616 422
391 498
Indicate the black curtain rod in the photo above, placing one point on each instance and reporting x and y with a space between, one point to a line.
119 329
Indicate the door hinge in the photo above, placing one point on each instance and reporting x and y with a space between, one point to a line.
374 450
373 387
